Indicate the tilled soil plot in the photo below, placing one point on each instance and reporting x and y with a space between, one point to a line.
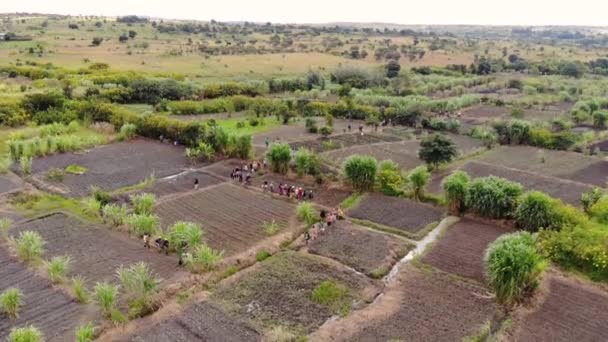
461 250
572 311
200 322
328 196
366 251
399 215
50 310
433 307
568 191
344 140
402 153
7 185
114 166
182 183
232 217
96 251
280 291
486 111
561 164
225 167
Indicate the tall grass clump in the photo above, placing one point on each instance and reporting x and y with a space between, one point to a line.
279 156
418 179
106 295
332 295
513 267
25 334
114 214
79 290
537 210
187 233
91 206
140 285
271 228
29 246
5 226
85 333
203 258
11 301
57 268
143 224
143 203
25 163
360 171
493 197
127 132
306 213
100 195
455 187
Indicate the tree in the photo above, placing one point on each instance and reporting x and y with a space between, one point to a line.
513 267
392 69
572 70
132 34
418 178
123 38
455 187
436 149
360 171
279 156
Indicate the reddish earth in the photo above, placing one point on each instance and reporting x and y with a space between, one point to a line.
53 312
400 215
199 322
95 250
360 248
232 217
568 191
571 311
278 291
429 307
114 166
461 250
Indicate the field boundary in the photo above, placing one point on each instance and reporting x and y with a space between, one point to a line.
387 229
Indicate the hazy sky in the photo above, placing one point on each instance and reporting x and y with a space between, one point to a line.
496 12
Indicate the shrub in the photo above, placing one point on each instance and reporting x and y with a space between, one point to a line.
262 255
102 196
306 213
106 295
127 132
418 179
79 290
436 149
91 206
142 224
25 334
57 268
271 228
330 294
537 210
11 301
311 125
85 333
26 165
513 266
306 162
493 197
242 147
114 214
29 246
390 182
203 258
185 232
455 187
279 156
599 210
143 203
5 226
589 198
326 131
360 171
140 285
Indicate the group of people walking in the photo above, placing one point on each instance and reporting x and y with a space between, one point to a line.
244 173
327 219
290 191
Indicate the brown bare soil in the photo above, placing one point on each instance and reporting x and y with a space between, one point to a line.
232 217
461 250
224 168
571 311
366 251
114 166
344 140
50 310
568 191
182 183
279 291
95 250
422 306
7 185
199 322
486 111
401 215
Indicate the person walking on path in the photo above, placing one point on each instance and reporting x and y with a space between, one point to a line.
195 183
266 142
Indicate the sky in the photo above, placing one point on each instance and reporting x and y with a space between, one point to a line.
478 12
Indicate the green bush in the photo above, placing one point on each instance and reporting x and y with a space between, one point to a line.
391 182
143 203
599 210
79 290
142 224
436 149
271 228
418 179
242 147
25 334
85 333
57 268
140 285
202 259
29 246
262 255
11 301
513 267
455 186
360 171
537 210
306 162
102 196
26 165
185 232
114 214
279 156
332 295
127 132
107 296
91 206
589 198
493 197
306 212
